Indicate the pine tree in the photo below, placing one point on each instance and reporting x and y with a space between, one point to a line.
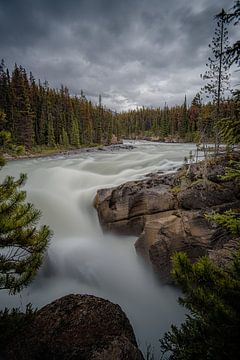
22 245
165 129
74 135
217 75
5 98
23 132
64 141
233 51
50 132
212 296
99 117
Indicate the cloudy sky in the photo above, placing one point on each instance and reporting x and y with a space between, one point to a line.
133 52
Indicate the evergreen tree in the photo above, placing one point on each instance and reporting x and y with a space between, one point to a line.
217 75
74 136
164 129
50 132
99 117
183 126
212 297
22 114
64 141
22 245
233 51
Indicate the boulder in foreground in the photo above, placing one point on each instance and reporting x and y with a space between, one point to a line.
77 327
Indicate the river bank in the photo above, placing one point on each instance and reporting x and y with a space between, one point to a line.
71 152
168 213
82 259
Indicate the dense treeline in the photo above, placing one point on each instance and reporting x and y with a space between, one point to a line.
178 123
36 114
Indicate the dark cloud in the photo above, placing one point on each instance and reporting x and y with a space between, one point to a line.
135 52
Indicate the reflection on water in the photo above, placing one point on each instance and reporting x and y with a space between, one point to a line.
80 258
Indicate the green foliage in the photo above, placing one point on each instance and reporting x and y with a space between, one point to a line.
37 115
5 139
75 140
232 172
229 129
20 149
175 189
13 322
216 75
6 145
64 139
22 245
233 51
2 161
230 220
50 133
212 297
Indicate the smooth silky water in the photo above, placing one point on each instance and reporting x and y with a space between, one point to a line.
80 258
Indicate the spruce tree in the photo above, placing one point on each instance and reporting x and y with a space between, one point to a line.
23 131
50 132
22 244
64 141
217 75
233 51
212 296
74 135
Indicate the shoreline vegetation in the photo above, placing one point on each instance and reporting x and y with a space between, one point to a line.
58 152
188 224
45 152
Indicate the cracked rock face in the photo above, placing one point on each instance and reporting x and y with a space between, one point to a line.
167 212
126 208
77 327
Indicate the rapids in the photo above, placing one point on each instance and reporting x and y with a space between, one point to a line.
80 258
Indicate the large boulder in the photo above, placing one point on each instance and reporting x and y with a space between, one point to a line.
77 327
124 209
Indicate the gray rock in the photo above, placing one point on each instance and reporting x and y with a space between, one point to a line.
167 212
77 327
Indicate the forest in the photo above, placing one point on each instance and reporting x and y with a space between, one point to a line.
38 116
35 117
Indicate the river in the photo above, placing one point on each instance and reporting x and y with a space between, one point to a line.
80 258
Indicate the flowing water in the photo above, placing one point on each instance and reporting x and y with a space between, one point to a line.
80 258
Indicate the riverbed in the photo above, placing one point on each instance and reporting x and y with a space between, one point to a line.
80 258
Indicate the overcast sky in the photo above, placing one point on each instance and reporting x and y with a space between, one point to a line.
133 52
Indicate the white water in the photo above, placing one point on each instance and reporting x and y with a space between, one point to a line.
80 258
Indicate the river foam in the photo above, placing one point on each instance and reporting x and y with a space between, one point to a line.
80 258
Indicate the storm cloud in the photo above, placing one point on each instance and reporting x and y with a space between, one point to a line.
133 52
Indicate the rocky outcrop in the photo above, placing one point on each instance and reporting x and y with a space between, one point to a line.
167 212
126 208
77 327
202 196
223 256
178 231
